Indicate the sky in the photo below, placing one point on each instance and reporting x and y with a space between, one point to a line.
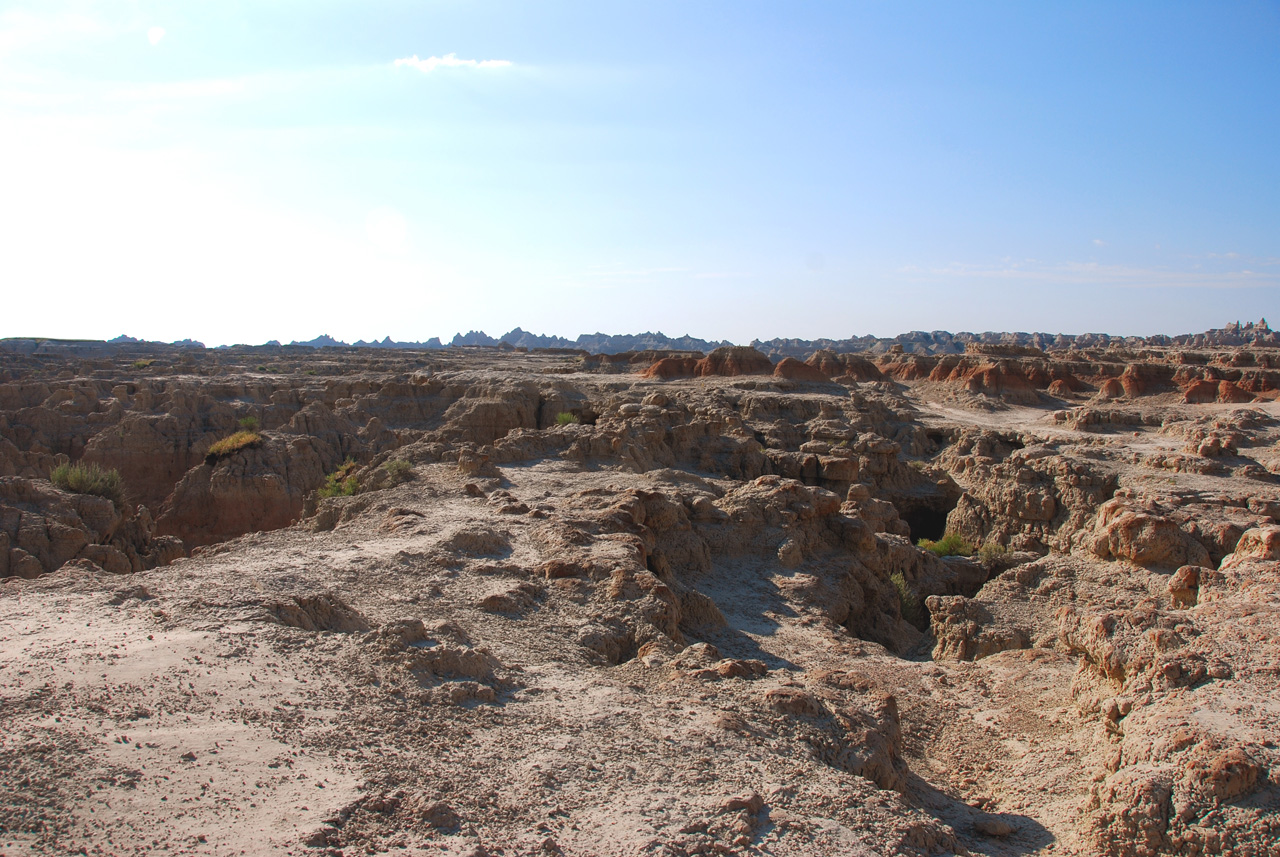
236 171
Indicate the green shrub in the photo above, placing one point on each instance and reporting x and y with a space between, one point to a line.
564 418
908 601
142 364
952 544
341 482
335 487
249 423
398 470
89 479
229 445
992 551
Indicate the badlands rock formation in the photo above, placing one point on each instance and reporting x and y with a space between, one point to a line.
653 602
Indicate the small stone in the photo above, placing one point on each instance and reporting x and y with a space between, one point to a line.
993 826
751 802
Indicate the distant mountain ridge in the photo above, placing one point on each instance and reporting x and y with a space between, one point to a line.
594 343
916 342
944 342
324 340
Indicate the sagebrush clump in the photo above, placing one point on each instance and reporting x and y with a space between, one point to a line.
992 551
952 544
398 470
81 478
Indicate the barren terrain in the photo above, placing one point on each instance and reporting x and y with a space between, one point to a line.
652 603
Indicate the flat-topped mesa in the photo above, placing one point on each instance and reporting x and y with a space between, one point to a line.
1003 349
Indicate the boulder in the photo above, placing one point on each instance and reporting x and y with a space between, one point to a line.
1144 538
1260 544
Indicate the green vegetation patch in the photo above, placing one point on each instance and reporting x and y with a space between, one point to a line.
564 418
341 482
992 551
249 423
952 544
908 601
242 439
89 479
398 470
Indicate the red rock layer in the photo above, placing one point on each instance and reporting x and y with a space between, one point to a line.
794 370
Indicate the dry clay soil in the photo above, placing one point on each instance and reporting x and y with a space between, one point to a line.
562 648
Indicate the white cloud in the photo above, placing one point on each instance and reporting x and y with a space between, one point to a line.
1098 242
449 61
155 34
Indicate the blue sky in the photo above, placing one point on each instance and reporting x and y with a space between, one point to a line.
241 171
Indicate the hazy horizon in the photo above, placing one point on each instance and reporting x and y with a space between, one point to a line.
240 173
445 340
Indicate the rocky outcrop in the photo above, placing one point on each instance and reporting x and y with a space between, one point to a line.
252 490
1260 544
790 369
1174 783
845 368
1146 539
42 528
152 452
1024 497
733 360
670 368
966 630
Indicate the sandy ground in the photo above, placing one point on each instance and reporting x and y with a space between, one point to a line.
343 692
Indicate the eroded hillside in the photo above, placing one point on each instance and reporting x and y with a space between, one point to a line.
657 602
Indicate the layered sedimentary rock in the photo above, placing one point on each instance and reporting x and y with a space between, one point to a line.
438 582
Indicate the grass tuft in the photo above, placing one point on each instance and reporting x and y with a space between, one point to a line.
341 482
398 470
908 601
230 445
89 479
564 418
249 423
952 544
992 551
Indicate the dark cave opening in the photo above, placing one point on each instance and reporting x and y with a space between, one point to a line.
926 520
